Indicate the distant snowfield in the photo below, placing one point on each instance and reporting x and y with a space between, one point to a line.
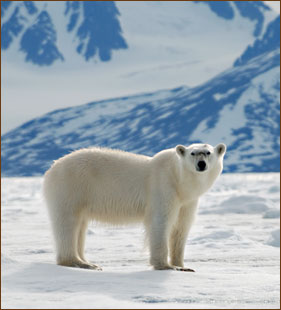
234 247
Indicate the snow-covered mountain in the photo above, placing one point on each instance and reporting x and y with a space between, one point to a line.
56 54
97 28
239 107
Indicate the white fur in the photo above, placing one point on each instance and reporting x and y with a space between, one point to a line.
118 187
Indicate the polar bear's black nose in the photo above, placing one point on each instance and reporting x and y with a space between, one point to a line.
201 165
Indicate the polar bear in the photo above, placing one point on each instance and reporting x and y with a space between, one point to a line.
118 187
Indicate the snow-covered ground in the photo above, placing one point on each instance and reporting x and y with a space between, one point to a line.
234 247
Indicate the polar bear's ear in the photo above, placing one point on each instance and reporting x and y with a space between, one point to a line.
181 150
221 149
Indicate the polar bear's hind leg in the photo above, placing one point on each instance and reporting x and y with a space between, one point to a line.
67 228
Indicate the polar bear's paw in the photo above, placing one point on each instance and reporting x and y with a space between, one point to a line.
95 267
184 269
88 266
163 267
171 267
80 264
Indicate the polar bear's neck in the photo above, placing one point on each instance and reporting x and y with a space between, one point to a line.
192 184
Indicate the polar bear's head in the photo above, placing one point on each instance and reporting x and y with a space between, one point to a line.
200 158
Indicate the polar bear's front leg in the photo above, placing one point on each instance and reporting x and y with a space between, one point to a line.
161 219
180 232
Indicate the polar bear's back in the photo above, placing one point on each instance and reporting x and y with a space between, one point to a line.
102 181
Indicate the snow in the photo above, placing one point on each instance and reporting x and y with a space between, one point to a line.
274 240
275 5
219 96
233 247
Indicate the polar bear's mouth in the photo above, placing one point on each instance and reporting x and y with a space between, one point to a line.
201 165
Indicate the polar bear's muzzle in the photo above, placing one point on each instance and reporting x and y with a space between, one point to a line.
201 165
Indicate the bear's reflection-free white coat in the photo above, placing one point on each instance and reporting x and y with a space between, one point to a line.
118 187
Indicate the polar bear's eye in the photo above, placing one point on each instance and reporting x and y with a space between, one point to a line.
192 153
208 153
